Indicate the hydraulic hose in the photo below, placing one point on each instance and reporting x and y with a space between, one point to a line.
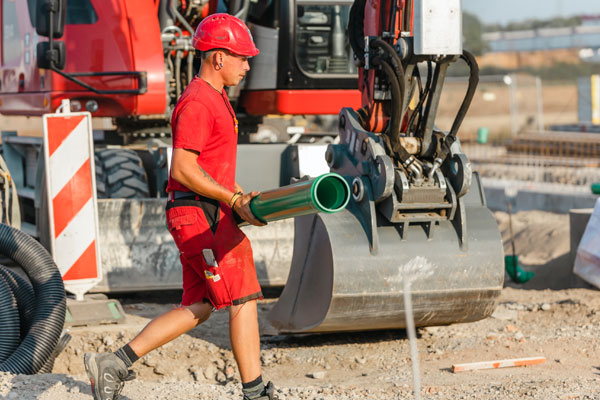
328 193
423 96
396 97
408 15
464 107
403 156
473 82
396 62
180 18
39 343
356 29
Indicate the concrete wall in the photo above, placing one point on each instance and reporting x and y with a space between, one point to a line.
525 196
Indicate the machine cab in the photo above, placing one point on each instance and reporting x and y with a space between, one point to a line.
306 64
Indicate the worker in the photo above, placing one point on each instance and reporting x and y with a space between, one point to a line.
216 257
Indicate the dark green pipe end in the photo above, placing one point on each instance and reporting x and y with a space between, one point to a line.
330 193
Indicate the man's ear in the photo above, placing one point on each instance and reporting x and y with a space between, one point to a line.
219 57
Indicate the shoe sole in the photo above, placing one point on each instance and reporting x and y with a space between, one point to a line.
92 372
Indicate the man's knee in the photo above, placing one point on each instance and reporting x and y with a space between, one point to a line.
200 310
246 307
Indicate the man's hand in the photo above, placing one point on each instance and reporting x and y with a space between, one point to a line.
242 207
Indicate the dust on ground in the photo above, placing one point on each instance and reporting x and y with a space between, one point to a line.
545 317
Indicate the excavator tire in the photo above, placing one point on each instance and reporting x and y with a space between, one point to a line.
120 175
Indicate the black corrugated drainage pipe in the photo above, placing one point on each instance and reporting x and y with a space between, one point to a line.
36 349
9 321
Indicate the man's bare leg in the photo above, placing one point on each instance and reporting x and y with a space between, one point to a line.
109 371
245 339
169 326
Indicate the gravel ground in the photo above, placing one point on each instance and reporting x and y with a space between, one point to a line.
545 317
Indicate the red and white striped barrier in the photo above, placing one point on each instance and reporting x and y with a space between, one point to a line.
72 204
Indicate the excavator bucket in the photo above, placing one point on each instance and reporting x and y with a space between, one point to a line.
339 282
138 252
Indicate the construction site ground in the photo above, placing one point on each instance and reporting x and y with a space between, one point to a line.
545 317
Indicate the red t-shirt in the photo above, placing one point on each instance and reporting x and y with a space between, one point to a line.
204 121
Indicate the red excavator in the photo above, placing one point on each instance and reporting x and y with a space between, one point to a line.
417 212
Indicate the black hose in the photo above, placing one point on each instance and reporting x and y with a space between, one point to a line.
50 308
473 82
394 129
391 52
434 81
407 15
423 96
464 107
356 28
9 322
398 75
24 294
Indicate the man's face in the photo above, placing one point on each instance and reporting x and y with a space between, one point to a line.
234 68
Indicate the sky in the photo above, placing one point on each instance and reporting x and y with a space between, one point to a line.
504 11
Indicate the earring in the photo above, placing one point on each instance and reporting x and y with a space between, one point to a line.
220 65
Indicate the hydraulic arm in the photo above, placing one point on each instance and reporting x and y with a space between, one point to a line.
417 210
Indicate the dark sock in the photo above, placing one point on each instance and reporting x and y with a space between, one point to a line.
127 354
254 389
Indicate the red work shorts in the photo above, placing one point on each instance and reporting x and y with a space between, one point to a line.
200 223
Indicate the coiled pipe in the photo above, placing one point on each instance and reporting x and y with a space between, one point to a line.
40 341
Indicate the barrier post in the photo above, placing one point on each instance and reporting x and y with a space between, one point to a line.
72 202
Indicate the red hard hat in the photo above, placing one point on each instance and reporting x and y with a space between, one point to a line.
224 31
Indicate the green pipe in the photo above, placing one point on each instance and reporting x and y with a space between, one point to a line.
328 193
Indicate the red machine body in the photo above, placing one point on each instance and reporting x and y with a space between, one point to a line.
375 26
308 101
125 36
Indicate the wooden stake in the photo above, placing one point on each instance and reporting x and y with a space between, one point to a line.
515 362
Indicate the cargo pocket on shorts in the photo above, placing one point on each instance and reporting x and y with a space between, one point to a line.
216 281
175 224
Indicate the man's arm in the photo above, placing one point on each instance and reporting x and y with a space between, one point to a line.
185 170
238 188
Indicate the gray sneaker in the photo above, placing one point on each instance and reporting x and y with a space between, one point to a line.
267 394
107 373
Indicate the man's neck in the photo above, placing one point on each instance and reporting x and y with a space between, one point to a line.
213 80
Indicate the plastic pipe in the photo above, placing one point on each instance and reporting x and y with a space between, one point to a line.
50 308
328 193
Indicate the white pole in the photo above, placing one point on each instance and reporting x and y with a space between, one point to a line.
412 337
540 104
514 106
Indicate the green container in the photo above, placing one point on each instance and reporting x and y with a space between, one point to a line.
482 135
329 193
596 188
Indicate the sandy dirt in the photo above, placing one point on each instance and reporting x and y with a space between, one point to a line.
545 317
